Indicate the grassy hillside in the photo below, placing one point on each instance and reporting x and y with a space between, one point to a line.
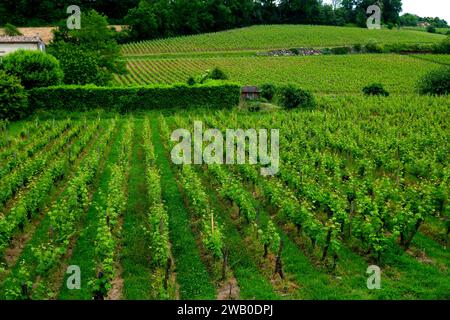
322 74
277 37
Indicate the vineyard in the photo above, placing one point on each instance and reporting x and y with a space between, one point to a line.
362 181
277 37
325 74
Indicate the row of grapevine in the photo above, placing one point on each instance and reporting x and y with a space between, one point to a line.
18 178
14 156
157 217
64 216
108 224
31 202
29 138
340 175
275 37
326 74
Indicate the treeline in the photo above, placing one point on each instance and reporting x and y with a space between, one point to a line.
414 20
175 17
165 18
30 13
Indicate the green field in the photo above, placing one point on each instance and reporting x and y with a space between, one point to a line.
322 74
101 192
263 38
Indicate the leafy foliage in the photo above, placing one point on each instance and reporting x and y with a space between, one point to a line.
268 91
211 95
90 54
13 98
291 97
11 30
33 68
375 89
436 82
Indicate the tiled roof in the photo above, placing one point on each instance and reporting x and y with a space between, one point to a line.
250 89
19 39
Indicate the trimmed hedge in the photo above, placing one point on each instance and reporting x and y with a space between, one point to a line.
123 99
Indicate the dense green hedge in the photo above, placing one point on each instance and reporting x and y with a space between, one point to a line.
216 95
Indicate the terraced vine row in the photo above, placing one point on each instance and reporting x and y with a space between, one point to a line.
325 74
276 37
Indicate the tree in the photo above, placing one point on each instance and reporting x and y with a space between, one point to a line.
409 20
141 21
13 97
81 66
11 30
33 68
97 48
391 11
268 12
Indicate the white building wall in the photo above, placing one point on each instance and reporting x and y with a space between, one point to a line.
6 48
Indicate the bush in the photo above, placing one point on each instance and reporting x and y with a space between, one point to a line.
375 89
390 26
11 30
215 95
436 82
373 47
33 68
217 74
444 46
268 91
13 98
291 97
191 81
431 29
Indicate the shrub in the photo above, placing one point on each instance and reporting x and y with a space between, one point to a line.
215 95
436 82
217 74
11 30
13 97
444 46
375 89
390 26
33 68
373 47
291 97
268 91
431 29
191 81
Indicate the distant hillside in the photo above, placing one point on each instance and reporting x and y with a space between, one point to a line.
277 37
